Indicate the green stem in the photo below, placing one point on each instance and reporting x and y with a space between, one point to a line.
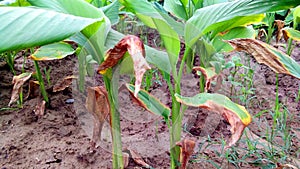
177 112
115 124
10 61
290 46
290 43
81 60
41 81
21 99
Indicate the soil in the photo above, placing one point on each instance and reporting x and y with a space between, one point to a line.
61 138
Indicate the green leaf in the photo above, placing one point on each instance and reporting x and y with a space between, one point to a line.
112 11
157 58
24 27
296 16
235 114
14 3
268 55
292 33
204 49
202 99
212 2
52 52
197 3
77 8
238 32
176 25
152 18
177 8
225 16
151 103
95 33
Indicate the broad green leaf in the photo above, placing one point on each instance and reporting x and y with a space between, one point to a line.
296 16
238 32
112 11
126 66
268 55
212 2
197 3
14 3
204 49
95 33
98 3
151 103
225 16
52 52
7 2
291 33
33 27
235 114
176 25
157 58
176 8
235 22
77 8
150 17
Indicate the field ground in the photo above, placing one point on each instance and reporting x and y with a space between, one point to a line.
61 138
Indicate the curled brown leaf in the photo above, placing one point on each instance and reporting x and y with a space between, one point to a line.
261 52
135 47
34 89
280 25
64 83
235 114
97 103
137 158
186 150
125 159
40 108
209 75
18 82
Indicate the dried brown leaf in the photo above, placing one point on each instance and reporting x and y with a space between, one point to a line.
219 82
64 83
263 53
18 82
125 159
282 166
137 158
261 33
209 75
280 25
135 47
97 103
235 114
40 108
186 150
237 126
34 89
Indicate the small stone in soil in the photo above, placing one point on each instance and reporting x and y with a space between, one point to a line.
69 101
55 160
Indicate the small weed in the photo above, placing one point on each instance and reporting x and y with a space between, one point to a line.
47 74
241 79
10 59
